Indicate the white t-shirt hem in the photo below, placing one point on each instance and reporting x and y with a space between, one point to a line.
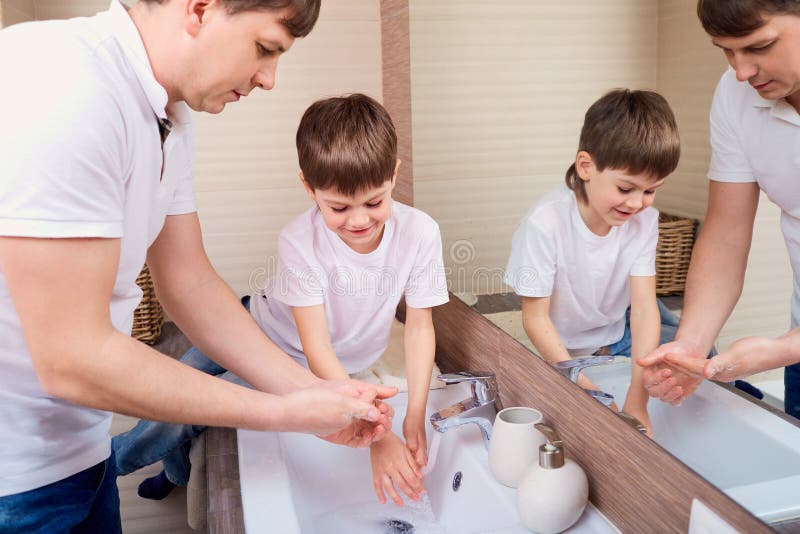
60 229
32 480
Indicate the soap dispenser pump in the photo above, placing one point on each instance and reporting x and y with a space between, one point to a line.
552 494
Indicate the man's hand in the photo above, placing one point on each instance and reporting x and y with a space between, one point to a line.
345 412
393 464
669 371
745 357
416 440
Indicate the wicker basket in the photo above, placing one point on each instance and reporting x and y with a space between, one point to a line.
148 316
675 241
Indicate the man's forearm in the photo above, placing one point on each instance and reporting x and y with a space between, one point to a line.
713 286
99 373
214 320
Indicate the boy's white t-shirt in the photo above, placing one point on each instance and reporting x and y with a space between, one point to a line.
360 291
82 157
756 140
553 253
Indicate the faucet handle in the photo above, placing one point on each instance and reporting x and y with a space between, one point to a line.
572 368
482 383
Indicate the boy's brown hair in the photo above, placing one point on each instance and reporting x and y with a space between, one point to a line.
634 131
304 13
737 18
347 143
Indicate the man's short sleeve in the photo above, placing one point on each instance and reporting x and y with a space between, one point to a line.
728 159
62 171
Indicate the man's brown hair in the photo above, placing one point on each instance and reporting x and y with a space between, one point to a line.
634 131
346 143
737 18
300 22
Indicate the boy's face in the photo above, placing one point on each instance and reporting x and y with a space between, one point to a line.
768 58
230 54
614 195
359 219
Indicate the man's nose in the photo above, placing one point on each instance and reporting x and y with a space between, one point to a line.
745 69
265 76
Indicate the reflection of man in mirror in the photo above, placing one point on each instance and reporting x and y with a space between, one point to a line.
755 132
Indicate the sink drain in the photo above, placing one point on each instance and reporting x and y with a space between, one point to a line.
457 481
398 526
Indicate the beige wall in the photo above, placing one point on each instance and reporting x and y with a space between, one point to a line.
14 11
498 98
245 159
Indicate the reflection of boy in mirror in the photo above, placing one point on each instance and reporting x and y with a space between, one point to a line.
755 132
343 266
583 258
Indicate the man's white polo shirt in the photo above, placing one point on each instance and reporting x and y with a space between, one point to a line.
81 157
758 140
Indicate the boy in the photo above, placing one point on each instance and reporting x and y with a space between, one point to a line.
343 266
585 253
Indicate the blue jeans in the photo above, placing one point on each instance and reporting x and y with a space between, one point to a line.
669 325
87 502
151 441
791 384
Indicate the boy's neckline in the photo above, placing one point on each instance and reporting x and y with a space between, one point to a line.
584 227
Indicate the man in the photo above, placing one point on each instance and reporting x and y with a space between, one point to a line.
95 178
755 132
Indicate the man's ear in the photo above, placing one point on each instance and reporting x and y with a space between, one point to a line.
195 14
307 187
585 166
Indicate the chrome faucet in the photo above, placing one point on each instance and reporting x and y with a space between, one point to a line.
480 408
572 369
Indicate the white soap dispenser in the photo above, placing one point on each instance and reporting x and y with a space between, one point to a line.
552 494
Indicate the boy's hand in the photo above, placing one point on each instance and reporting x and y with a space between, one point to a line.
640 413
416 440
392 463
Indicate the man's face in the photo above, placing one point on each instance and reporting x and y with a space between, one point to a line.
232 54
768 58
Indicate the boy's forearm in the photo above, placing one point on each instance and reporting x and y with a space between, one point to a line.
645 334
419 344
326 365
545 338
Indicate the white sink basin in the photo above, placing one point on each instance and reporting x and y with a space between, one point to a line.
295 483
746 451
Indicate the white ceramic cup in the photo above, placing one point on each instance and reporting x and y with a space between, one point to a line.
514 444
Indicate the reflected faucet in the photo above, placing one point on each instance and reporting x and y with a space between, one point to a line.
480 408
572 368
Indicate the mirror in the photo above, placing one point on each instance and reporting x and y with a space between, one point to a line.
499 91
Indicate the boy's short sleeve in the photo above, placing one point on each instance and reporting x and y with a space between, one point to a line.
532 264
645 263
728 160
427 285
298 281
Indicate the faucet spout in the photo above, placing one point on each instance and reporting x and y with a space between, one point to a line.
480 408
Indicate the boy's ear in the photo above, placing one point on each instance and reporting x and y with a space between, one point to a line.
584 165
394 176
307 187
